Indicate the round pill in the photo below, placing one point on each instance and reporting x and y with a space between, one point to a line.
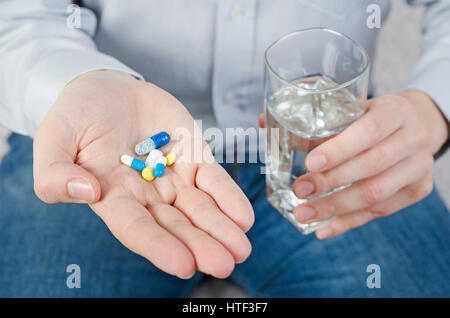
147 174
171 157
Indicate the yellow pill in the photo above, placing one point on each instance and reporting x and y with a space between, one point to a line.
147 174
170 158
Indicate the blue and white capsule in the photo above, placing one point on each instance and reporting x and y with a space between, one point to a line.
134 163
154 142
152 157
160 167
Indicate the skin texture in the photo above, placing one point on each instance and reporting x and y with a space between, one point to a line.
388 153
193 218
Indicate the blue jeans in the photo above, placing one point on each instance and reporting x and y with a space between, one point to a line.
38 242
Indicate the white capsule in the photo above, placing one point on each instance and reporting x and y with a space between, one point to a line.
126 160
152 157
162 160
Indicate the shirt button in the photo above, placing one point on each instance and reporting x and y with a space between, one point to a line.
229 99
237 13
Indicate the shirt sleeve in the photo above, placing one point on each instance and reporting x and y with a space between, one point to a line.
42 48
431 74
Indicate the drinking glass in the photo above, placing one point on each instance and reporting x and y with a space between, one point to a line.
315 86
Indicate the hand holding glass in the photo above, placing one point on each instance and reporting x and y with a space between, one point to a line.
315 86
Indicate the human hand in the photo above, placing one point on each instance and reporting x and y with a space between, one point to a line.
193 218
389 150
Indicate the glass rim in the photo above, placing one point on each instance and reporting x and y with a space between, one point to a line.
313 91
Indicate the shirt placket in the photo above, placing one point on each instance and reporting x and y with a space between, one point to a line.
234 49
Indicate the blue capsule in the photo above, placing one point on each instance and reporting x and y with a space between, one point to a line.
160 167
159 170
133 162
154 142
160 139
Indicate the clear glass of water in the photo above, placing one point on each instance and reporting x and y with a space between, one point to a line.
315 86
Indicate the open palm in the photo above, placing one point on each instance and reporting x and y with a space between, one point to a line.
193 218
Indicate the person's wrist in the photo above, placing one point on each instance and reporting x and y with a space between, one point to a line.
100 81
430 114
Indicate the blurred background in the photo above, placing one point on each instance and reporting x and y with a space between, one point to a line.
396 54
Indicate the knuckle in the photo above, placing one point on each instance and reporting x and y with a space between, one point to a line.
421 137
382 100
403 105
424 189
372 127
404 111
375 214
369 214
327 182
400 106
372 192
332 210
376 159
327 210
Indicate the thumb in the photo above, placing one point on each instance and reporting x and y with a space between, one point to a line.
56 176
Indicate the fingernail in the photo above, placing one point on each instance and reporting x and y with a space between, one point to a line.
316 162
304 188
324 233
305 213
187 277
80 189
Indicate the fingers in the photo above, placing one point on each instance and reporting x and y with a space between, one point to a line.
343 223
261 121
204 214
133 225
383 118
56 177
366 192
387 153
211 257
214 180
400 200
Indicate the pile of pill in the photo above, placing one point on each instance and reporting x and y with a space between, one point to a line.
155 164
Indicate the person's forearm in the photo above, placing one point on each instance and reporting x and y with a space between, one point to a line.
430 75
39 55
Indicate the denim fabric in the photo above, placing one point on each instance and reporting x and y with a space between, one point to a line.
412 248
38 241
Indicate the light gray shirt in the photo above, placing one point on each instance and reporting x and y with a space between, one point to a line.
207 53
